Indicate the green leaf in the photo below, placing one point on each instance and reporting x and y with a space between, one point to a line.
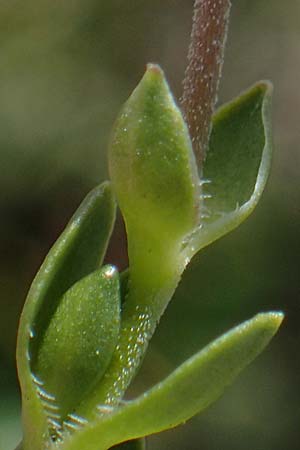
80 340
154 175
237 164
152 164
78 251
186 392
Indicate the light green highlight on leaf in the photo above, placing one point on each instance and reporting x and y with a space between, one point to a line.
187 391
77 252
80 339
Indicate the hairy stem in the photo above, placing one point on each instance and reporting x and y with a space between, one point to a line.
202 75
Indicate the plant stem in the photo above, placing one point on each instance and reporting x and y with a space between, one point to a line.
202 75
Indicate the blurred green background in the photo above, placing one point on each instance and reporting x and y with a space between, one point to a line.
65 70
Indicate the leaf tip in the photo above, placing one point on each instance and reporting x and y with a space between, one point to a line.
270 320
154 69
153 76
266 86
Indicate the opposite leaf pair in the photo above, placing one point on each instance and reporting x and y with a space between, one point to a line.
82 337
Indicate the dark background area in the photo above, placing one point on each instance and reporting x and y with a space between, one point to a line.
65 70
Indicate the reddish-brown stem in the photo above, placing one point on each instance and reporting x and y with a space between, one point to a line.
205 60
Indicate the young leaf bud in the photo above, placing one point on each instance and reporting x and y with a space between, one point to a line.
152 164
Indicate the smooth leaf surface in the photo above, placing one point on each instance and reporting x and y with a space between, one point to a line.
80 339
187 391
237 164
77 252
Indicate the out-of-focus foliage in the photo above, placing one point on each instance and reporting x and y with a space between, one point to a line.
66 68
